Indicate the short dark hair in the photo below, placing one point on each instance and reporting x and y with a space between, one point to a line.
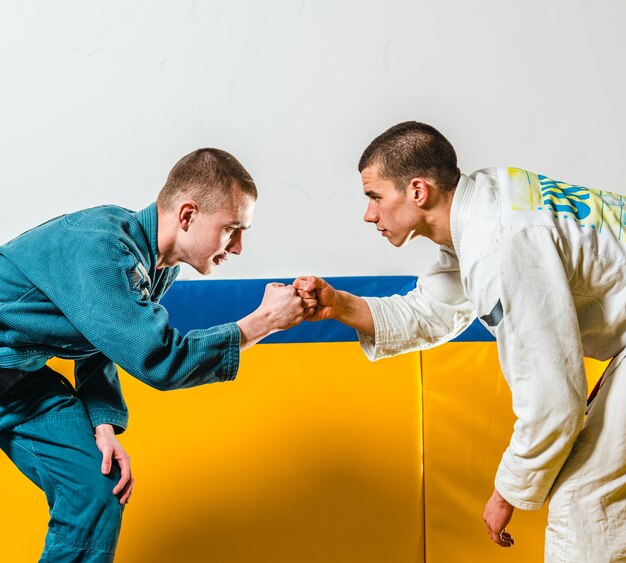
412 150
209 176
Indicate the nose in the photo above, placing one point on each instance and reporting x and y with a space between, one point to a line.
371 214
235 246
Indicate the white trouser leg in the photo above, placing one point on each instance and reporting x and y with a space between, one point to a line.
587 517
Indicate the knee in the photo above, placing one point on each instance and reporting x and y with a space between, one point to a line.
90 515
98 501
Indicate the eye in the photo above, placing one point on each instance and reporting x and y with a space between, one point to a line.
229 229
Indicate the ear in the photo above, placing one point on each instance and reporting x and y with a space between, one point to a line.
187 212
419 190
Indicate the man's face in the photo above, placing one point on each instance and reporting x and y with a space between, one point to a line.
395 214
212 237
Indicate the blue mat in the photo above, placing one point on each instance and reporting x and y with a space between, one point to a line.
201 304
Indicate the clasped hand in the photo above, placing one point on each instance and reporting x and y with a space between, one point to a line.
286 307
309 298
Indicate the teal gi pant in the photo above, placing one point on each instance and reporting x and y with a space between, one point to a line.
45 431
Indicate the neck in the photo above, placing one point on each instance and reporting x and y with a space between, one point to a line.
438 220
166 239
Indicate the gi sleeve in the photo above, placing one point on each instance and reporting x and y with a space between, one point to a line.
542 359
98 386
101 286
435 312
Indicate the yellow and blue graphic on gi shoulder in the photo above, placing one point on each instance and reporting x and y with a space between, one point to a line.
589 208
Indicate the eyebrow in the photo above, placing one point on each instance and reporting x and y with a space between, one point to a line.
239 226
370 193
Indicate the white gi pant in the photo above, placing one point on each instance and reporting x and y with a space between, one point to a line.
587 516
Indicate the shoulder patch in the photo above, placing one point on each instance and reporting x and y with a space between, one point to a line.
139 281
496 315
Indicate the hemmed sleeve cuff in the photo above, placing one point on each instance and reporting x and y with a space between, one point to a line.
516 502
118 419
233 352
375 346
368 345
367 342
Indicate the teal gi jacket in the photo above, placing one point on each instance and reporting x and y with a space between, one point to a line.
85 286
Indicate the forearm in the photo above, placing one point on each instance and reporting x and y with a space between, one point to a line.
543 366
98 387
200 357
536 453
253 328
435 312
549 392
354 312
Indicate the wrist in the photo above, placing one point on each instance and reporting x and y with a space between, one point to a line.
500 499
254 327
104 430
263 320
339 311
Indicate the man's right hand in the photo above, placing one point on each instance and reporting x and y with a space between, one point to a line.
312 289
282 306
323 301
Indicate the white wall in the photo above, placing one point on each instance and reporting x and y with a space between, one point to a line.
99 100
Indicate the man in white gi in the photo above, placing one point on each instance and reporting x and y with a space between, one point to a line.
542 264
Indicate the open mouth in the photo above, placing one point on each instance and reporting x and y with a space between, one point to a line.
217 260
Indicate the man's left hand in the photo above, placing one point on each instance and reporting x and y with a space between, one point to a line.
497 515
112 451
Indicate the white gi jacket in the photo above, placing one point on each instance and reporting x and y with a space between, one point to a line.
542 264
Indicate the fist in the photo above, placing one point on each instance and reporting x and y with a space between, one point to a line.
283 306
320 299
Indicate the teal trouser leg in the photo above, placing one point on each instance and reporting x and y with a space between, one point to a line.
45 431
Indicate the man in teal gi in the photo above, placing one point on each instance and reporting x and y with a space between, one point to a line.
86 286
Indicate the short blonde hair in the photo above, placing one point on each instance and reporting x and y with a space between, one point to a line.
208 176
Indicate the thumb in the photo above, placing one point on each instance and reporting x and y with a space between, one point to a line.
311 283
107 452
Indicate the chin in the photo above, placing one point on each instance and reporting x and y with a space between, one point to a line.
406 240
204 271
